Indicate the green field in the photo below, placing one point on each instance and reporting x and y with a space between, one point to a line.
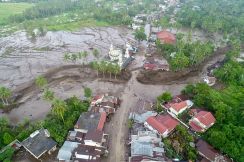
8 9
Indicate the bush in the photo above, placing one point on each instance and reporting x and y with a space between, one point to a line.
87 92
7 154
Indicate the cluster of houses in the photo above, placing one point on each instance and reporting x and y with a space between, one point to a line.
150 127
88 141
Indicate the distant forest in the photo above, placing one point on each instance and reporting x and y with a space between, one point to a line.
214 16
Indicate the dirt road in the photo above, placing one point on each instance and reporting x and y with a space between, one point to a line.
118 126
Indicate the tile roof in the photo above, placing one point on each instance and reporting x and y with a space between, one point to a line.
162 123
152 121
195 127
178 106
101 121
166 37
205 118
168 121
209 152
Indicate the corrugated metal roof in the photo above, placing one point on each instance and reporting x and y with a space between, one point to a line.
66 150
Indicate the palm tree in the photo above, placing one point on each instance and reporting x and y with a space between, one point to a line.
110 68
66 57
5 93
116 70
74 57
103 67
85 54
95 66
41 81
59 107
48 95
95 53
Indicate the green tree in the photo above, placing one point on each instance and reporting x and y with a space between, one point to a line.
87 92
74 57
5 93
165 97
103 67
179 61
7 138
95 65
95 53
116 70
41 82
110 67
59 107
140 34
85 54
48 95
66 57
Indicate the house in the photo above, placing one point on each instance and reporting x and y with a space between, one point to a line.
108 110
65 152
163 125
176 108
146 145
209 154
90 121
96 138
201 121
166 37
99 99
39 142
86 153
141 118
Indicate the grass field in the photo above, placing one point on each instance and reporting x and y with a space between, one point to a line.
8 9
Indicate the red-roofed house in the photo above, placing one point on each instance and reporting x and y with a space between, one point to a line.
166 37
202 121
179 107
161 124
101 122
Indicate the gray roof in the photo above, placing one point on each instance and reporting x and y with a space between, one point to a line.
39 142
88 121
141 118
146 143
138 148
66 150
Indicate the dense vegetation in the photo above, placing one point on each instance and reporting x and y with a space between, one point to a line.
178 145
214 16
59 127
185 53
228 108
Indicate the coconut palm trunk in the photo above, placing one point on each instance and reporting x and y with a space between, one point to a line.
3 101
